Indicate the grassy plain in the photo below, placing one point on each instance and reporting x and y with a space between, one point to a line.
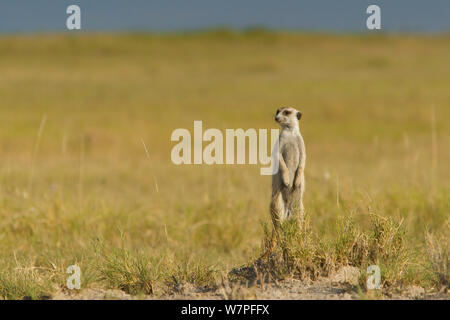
77 187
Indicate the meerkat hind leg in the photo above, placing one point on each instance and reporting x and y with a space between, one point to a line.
277 212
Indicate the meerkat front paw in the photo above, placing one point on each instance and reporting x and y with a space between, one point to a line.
287 182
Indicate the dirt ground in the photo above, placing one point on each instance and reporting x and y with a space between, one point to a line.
340 286
288 290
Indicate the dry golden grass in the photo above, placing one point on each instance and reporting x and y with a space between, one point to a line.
77 187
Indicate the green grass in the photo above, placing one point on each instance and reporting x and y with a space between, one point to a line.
375 122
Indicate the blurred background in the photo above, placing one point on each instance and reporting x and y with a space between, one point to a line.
160 15
76 109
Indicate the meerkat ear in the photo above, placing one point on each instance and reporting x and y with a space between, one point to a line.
299 115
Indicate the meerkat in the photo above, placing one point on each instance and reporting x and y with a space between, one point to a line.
288 183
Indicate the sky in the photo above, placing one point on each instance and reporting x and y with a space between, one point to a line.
188 15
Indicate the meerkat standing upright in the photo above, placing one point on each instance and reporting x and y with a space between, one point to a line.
288 184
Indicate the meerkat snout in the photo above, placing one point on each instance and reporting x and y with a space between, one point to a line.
287 116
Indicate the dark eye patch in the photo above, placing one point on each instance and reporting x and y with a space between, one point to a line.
287 112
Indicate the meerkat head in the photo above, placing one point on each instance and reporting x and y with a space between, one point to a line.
288 117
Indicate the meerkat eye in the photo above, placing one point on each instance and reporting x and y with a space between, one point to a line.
287 112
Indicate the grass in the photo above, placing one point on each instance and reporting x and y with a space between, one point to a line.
302 254
86 176
437 250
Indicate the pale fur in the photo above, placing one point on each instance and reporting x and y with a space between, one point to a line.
288 184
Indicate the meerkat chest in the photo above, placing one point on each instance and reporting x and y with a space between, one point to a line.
290 148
